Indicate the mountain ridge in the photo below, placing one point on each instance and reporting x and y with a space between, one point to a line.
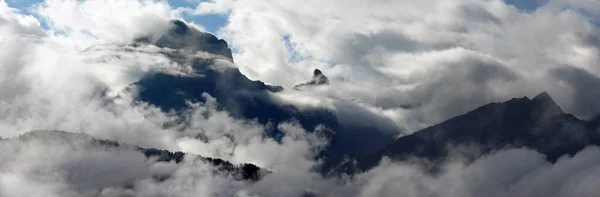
318 79
536 123
244 171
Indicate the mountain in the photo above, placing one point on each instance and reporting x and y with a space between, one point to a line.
537 123
235 93
181 36
317 80
217 76
79 141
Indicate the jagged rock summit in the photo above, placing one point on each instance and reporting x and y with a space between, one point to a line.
318 79
183 37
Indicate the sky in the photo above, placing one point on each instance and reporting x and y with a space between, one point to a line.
408 64
213 22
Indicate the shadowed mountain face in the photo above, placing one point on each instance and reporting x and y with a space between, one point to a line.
235 93
242 97
537 123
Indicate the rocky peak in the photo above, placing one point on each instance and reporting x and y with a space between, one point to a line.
182 36
545 107
317 79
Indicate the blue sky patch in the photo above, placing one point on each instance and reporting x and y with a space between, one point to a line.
212 22
525 5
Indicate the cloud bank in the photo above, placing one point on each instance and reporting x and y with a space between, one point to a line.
406 64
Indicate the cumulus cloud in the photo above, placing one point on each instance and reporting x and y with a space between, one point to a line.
14 23
108 20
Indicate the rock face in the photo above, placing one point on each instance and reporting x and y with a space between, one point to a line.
235 93
181 36
318 79
537 123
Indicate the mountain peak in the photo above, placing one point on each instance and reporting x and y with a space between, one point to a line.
317 72
538 123
317 79
544 96
181 36
180 27
546 107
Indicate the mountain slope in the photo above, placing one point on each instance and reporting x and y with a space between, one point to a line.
537 123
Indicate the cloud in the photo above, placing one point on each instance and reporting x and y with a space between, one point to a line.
66 164
400 65
52 163
107 20
375 51
514 172
63 165
15 23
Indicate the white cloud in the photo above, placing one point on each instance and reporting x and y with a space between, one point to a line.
218 7
13 23
514 172
108 21
372 49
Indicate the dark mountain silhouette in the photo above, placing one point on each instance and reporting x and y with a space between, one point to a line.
318 79
235 93
247 172
242 97
181 36
537 123
594 123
